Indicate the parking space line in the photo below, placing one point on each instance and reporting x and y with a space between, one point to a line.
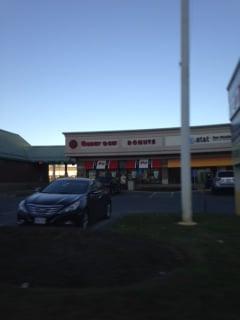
162 195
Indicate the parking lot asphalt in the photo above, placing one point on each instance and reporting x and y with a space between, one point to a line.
140 202
170 202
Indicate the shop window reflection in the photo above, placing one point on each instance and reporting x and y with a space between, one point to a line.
56 171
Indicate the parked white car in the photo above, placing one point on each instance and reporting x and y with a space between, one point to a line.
224 180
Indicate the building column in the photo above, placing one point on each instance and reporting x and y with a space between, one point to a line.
54 172
66 172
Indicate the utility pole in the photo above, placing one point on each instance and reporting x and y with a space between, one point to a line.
186 185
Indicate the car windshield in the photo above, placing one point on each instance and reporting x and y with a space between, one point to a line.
225 174
67 187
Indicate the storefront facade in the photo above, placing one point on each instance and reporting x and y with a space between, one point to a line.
149 157
146 157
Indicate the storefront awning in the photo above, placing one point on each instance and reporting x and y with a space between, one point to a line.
130 164
113 165
174 163
212 162
89 165
203 163
155 163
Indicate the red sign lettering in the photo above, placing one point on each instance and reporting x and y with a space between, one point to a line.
98 143
141 142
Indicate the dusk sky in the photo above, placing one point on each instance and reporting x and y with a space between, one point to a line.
98 65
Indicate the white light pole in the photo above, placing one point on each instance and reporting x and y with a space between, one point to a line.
185 130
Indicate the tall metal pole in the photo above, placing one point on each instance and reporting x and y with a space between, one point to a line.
185 130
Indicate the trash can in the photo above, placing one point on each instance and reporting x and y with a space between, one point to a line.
131 185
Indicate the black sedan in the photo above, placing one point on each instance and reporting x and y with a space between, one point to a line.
76 201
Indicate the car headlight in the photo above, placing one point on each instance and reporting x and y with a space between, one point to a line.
74 206
22 206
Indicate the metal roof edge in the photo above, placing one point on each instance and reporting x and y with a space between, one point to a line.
145 130
49 146
16 134
13 156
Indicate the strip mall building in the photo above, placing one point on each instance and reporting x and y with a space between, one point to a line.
234 108
149 156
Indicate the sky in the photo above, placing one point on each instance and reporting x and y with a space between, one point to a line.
99 65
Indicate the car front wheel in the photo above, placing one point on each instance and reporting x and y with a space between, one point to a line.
85 220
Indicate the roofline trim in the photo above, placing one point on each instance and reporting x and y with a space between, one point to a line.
145 130
49 146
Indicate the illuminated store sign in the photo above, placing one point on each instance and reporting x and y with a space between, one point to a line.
127 144
73 144
110 143
141 142
200 139
211 139
98 143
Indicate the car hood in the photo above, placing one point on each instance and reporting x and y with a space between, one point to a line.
53 199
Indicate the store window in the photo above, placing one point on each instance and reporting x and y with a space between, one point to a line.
174 176
114 174
143 176
58 170
91 174
155 176
72 170
156 171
